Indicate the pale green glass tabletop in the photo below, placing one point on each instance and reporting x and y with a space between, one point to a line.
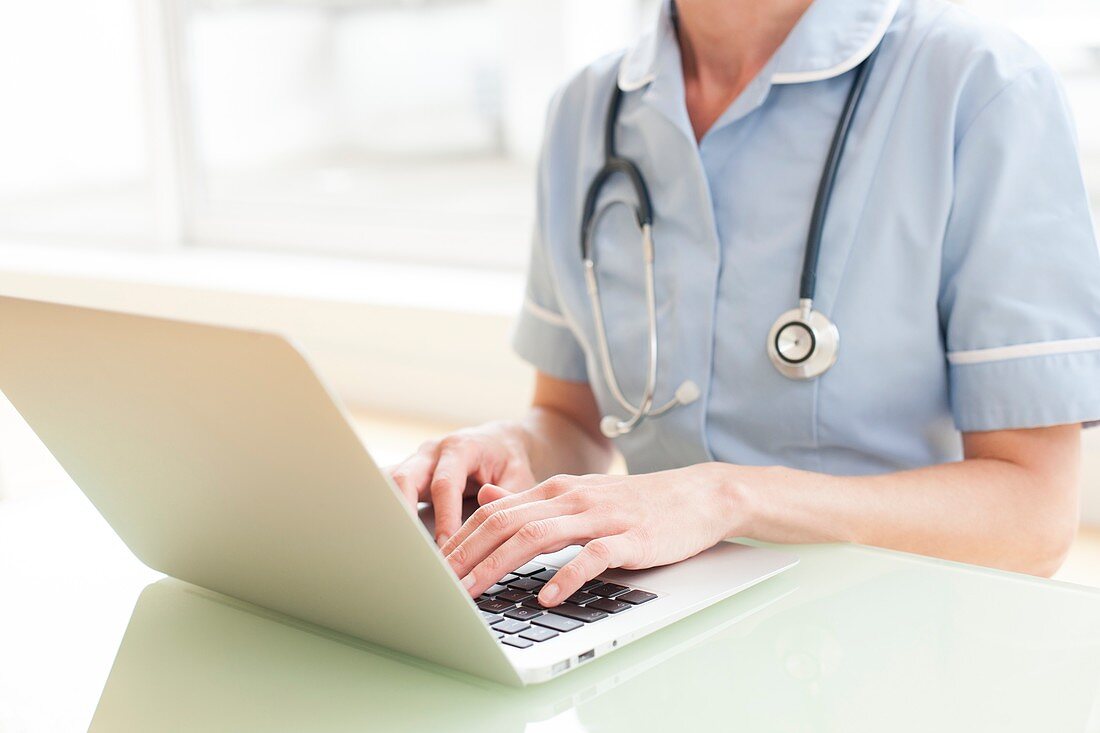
852 639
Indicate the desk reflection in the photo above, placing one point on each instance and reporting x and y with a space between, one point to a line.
193 660
873 644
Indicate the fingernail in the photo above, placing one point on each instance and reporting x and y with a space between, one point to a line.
440 539
468 581
549 593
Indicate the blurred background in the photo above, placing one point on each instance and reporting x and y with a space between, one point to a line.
355 173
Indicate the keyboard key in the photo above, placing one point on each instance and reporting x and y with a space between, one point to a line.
533 602
511 626
513 596
591 584
529 569
507 579
608 590
555 622
517 641
636 597
580 598
580 613
490 618
611 605
529 584
498 635
522 614
544 575
495 606
538 633
494 589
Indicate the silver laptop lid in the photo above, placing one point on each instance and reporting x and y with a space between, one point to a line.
220 458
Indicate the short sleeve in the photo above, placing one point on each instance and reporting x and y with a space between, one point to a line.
1020 286
543 336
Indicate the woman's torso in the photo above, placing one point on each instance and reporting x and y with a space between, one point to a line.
731 219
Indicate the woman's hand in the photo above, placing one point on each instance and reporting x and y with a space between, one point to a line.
447 469
622 521
560 433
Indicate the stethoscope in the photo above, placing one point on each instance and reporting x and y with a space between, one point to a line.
802 344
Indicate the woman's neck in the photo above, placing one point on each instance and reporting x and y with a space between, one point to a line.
723 45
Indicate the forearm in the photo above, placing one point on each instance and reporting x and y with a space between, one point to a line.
984 511
557 444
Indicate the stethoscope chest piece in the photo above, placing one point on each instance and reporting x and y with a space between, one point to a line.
803 343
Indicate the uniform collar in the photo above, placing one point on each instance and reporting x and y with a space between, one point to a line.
831 37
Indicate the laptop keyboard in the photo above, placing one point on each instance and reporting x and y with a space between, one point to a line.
512 610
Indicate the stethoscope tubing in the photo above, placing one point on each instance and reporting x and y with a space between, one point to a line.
646 408
804 315
808 279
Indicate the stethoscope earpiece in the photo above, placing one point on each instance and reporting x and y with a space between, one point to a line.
612 427
687 392
609 426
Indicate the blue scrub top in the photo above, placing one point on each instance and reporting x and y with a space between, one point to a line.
958 261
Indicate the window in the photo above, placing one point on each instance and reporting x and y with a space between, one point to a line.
72 129
397 129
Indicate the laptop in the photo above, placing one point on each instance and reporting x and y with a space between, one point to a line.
220 458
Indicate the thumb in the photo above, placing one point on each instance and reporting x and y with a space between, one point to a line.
490 492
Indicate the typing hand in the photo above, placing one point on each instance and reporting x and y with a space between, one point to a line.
622 521
443 471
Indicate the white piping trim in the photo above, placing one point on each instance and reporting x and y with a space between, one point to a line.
784 77
798 77
545 314
628 85
1038 348
566 322
622 76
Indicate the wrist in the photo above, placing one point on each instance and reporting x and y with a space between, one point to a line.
518 435
735 499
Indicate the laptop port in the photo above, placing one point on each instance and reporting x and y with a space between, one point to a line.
586 656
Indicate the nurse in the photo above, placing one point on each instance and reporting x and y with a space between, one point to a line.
957 261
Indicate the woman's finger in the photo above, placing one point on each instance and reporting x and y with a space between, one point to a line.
532 539
514 476
594 558
546 490
458 460
484 511
474 521
498 529
490 493
413 475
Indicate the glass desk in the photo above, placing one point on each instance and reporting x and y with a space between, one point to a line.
852 639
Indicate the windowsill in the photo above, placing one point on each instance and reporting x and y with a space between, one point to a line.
321 278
